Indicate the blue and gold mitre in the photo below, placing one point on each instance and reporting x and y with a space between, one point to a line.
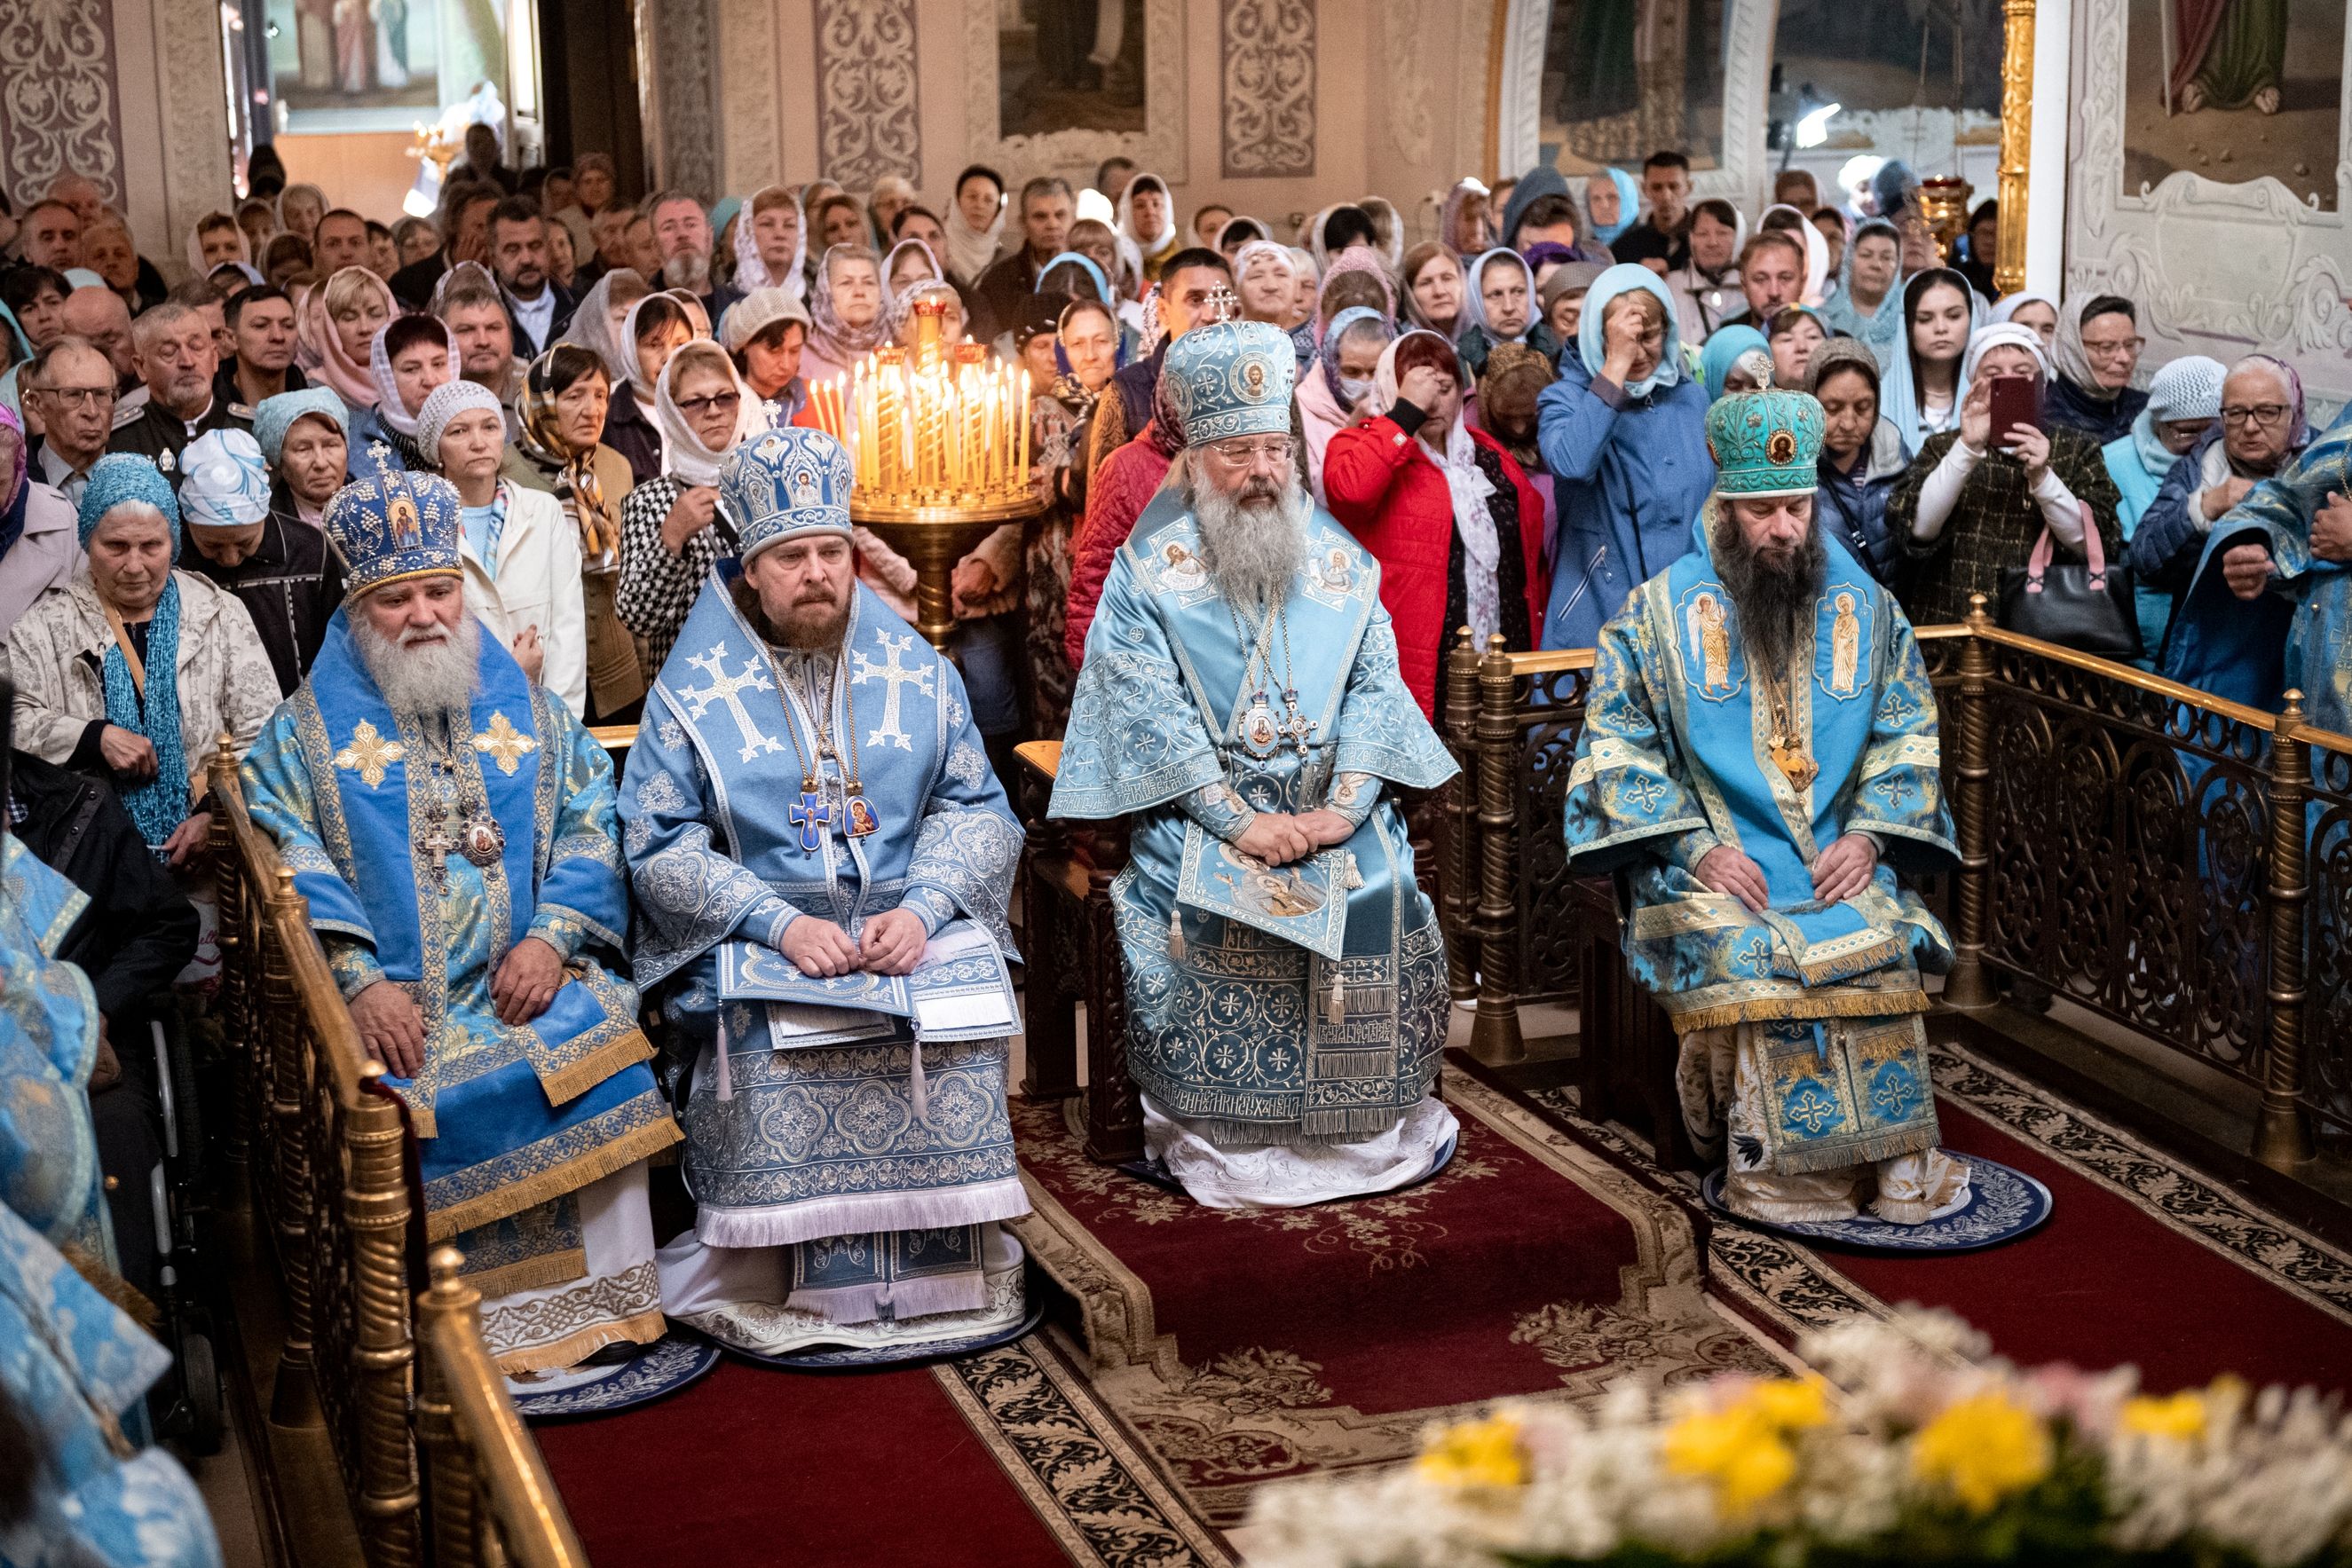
781 483
394 525
1765 442
1232 377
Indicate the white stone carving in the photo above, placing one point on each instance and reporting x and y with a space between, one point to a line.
1265 118
195 112
1404 24
2219 269
752 140
867 123
58 110
1159 149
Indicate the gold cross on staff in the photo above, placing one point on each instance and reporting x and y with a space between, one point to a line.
369 753
505 744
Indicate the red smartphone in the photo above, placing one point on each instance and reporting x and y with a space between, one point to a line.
2016 400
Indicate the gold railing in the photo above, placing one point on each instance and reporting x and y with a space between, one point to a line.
331 1185
2176 863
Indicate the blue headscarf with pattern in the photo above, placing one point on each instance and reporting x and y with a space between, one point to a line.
160 804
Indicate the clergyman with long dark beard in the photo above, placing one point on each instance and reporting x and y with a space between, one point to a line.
1758 758
1240 705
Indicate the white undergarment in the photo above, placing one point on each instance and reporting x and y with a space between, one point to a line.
1286 1176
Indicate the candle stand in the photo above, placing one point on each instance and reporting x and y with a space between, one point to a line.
933 540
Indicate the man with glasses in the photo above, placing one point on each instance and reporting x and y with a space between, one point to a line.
1240 705
69 388
176 358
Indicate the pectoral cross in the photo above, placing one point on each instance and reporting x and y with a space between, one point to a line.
812 816
1791 761
438 843
1295 726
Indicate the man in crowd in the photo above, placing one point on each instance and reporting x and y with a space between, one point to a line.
176 360
1767 918
1286 985
69 387
1195 289
463 894
52 236
801 841
764 332
1771 275
537 306
45 550
1662 239
1002 293
261 320
283 575
475 310
98 318
340 241
682 233
465 236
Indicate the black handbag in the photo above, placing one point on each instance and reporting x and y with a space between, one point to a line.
2086 605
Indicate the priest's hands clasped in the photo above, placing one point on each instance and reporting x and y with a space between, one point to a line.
889 944
1277 838
393 1028
1840 872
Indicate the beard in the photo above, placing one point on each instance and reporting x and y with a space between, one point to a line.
812 623
1253 539
689 270
1774 590
424 675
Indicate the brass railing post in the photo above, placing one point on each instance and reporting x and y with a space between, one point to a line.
1459 869
2283 1130
294 1397
1494 1036
1969 987
449 1470
230 898
375 1207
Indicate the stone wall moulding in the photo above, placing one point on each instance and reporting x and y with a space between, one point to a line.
196 173
1159 148
679 36
867 122
1411 122
753 142
60 105
2219 268
1266 107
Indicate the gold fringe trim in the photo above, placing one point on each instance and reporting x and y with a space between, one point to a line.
570 1351
1804 1159
420 1120
1790 1008
576 1079
530 1274
441 1224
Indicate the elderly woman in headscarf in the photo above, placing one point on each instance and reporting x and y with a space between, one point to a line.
1498 306
771 243
931 293
672 532
1975 499
2028 309
601 324
1461 220
846 313
2259 426
1624 432
334 333
1089 348
2183 401
1147 219
305 437
562 406
1335 395
410 357
1266 280
1867 305
1453 522
1613 203
2095 355
278 567
1736 359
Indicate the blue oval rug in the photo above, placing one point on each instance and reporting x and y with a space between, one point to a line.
669 1365
860 1358
2004 1204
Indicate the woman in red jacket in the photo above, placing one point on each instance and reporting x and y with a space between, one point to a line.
1450 517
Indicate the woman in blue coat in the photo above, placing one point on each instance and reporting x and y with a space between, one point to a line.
1624 432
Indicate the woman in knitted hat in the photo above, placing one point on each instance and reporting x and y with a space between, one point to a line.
277 565
137 668
2183 401
305 437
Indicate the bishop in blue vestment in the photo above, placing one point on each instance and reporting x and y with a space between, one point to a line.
1240 704
822 860
1758 755
452 825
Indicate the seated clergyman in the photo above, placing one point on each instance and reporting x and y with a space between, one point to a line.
452 825
823 861
1240 701
1759 744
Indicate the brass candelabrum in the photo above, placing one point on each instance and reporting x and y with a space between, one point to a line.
1945 203
939 441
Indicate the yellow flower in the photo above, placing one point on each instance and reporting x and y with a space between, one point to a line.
1737 1449
2181 1416
1983 1448
1476 1454
1790 1405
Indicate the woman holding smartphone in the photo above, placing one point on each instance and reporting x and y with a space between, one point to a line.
1977 497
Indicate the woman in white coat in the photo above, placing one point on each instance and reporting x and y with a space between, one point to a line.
522 554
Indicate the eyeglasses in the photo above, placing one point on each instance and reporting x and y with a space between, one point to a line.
1249 453
77 397
2110 349
725 402
2261 415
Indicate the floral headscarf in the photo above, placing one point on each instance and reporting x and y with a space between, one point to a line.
1362 258
575 467
836 340
321 346
890 260
1068 388
902 309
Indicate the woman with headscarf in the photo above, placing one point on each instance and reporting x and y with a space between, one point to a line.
936 292
1387 229
1453 521
1862 456
1088 351
1498 306
771 243
975 222
1266 278
38 546
1624 432
1147 217
215 241
1461 220
846 313
410 357
653 328
1612 204
1928 379
335 329
672 532
1866 305
306 438
562 407
2095 355
1433 290
1975 499
1334 394
1736 359
906 264
2028 309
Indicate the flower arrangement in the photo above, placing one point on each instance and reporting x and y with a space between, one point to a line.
1908 1445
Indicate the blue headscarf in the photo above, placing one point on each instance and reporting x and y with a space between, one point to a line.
1898 398
1329 354
1882 330
160 804
1085 264
276 415
1629 206
224 481
1623 278
1723 350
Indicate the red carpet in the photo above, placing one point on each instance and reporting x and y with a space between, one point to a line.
2106 1281
755 1466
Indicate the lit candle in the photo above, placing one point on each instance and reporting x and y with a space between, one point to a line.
1021 402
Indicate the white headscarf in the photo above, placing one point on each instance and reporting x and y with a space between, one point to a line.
971 250
592 327
684 456
2005 308
1984 339
751 272
1817 251
1148 244
1467 483
891 261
